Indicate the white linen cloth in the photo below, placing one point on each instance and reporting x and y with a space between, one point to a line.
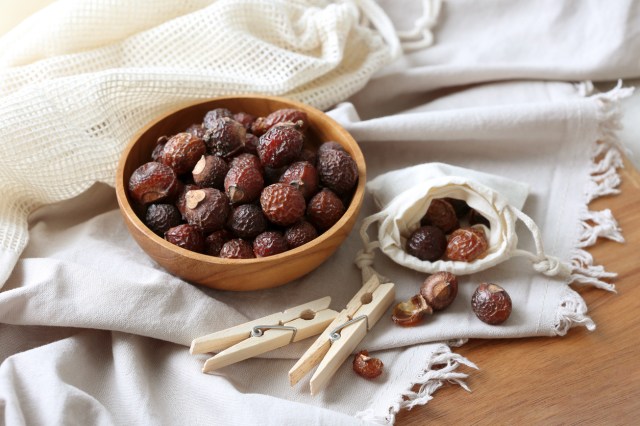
93 331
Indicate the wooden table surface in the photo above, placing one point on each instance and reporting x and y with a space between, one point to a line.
582 378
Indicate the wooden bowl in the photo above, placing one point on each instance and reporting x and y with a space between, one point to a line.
237 274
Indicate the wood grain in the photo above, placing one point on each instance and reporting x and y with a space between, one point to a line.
237 274
581 378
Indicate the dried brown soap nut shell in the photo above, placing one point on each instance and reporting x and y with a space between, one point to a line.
196 130
215 241
427 243
441 214
237 249
491 303
440 290
210 171
243 184
269 243
182 152
337 171
262 124
160 217
247 221
207 208
411 312
325 209
210 118
281 145
329 146
302 175
282 204
366 366
246 160
153 182
157 151
186 236
300 233
225 138
466 244
245 119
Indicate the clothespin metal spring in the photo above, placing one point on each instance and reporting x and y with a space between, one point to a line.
335 333
258 330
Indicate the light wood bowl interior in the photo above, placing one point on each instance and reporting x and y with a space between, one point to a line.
237 274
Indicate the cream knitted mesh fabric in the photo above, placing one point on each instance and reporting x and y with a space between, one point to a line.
89 73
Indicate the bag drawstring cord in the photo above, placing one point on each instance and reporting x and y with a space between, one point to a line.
542 262
364 258
419 37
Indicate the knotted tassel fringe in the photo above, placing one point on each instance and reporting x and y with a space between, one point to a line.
440 368
586 273
572 312
603 184
596 224
604 180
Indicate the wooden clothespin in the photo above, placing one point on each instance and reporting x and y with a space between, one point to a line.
342 336
264 334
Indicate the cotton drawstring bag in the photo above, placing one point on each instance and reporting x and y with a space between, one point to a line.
404 196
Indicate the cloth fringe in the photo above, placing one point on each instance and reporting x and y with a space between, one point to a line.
440 368
596 224
586 273
603 184
604 180
572 312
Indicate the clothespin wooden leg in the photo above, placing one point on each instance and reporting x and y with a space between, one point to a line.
313 356
264 334
271 339
329 350
224 338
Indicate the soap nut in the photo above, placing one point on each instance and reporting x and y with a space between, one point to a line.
367 366
491 303
411 312
440 290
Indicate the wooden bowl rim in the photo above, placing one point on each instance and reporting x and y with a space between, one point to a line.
354 205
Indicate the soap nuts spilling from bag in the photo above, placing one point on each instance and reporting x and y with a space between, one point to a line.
440 235
490 302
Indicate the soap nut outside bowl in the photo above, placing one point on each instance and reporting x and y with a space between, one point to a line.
236 274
